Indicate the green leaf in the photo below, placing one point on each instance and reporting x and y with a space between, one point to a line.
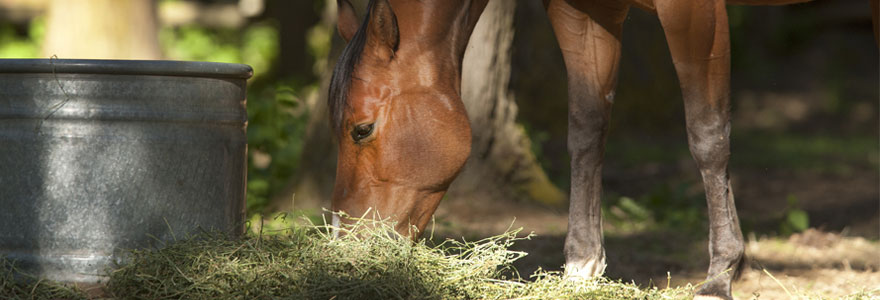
258 186
633 209
798 219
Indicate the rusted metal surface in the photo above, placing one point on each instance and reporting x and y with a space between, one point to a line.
98 156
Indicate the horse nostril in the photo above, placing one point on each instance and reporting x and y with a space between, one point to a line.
361 131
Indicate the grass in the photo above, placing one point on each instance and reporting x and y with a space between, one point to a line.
817 152
823 153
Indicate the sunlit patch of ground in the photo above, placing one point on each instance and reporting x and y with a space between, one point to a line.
812 265
812 284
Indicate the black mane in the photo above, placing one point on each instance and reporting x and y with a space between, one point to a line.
340 82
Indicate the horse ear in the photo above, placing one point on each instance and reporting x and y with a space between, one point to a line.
383 26
346 23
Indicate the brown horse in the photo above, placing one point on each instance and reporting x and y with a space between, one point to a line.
403 133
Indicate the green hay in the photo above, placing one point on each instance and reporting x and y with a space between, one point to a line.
23 286
368 261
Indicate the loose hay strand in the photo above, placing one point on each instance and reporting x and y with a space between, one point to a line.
778 282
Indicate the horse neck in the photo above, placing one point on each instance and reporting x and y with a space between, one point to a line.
434 36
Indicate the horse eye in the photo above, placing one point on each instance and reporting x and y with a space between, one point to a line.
361 131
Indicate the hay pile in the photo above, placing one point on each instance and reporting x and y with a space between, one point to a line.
28 287
307 262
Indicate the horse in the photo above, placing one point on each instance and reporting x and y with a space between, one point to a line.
403 133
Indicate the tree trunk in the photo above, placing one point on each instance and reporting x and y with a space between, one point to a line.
295 18
108 29
501 165
312 184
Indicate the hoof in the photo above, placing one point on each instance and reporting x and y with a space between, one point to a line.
585 270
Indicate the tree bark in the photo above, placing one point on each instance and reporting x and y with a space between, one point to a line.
502 165
107 29
312 184
295 18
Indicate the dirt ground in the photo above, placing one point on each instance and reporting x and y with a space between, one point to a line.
841 257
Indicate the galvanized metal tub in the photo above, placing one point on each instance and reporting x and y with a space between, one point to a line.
100 156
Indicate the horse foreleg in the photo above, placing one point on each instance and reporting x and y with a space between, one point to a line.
698 37
589 37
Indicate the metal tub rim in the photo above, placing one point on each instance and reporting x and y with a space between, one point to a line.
127 67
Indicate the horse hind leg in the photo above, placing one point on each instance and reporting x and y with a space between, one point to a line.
589 37
697 33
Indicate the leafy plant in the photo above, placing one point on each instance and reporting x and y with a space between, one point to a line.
795 219
257 45
276 130
15 45
677 207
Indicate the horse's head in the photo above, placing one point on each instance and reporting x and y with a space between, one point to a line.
394 102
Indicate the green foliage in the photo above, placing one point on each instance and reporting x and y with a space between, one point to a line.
795 219
13 45
818 153
196 43
831 153
257 46
627 215
798 220
633 152
631 208
681 207
276 130
260 47
667 207
318 41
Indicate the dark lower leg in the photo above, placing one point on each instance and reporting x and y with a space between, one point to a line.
584 247
710 148
589 37
697 33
